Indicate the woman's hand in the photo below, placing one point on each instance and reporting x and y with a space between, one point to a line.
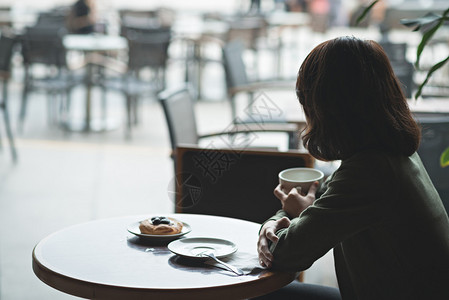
294 203
268 233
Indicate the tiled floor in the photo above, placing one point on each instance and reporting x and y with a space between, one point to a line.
65 178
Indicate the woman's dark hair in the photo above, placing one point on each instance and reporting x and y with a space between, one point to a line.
353 101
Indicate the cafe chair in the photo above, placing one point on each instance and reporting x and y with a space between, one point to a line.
54 17
6 50
239 83
435 138
179 111
145 72
149 49
235 183
250 30
46 69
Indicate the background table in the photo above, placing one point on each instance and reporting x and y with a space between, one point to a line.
92 44
101 260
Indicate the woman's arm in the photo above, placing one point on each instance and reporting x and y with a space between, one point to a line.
293 204
267 235
357 198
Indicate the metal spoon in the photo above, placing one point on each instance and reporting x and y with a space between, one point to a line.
233 269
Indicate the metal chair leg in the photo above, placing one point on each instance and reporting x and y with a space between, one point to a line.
135 106
9 134
23 107
4 106
129 115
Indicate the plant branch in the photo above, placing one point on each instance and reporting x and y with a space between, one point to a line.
428 35
429 74
365 12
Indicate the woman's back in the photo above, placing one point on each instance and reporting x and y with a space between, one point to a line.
405 252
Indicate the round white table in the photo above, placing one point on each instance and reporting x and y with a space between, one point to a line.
101 260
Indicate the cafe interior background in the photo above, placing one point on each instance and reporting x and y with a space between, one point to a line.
62 177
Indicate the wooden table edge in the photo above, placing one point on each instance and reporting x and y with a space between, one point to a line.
89 290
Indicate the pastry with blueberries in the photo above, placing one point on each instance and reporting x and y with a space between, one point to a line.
160 226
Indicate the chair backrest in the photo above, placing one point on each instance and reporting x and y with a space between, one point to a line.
149 49
232 182
132 30
6 51
179 113
396 52
234 66
435 138
55 17
43 45
247 30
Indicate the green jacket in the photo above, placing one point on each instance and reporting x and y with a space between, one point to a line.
387 225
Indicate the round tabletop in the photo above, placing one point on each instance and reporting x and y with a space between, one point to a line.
94 42
102 260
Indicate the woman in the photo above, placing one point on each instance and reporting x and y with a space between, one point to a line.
379 211
82 17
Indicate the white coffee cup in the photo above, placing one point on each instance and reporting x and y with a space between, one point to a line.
300 178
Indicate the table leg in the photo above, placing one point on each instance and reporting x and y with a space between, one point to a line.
88 124
89 84
199 68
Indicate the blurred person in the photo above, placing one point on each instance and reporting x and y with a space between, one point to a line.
379 211
82 17
320 14
296 5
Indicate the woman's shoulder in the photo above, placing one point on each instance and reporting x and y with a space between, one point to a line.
382 157
375 163
371 158
368 177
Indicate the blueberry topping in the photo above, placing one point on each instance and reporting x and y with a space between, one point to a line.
160 220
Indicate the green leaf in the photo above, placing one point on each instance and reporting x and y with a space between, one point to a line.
425 39
428 35
365 12
422 23
444 159
429 74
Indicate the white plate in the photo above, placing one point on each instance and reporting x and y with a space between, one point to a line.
134 229
193 247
